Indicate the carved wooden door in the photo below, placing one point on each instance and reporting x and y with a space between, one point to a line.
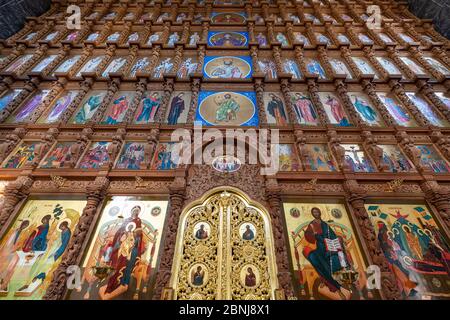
224 251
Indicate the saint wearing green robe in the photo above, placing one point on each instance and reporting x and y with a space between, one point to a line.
227 110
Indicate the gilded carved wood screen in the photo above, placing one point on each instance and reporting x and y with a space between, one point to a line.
224 251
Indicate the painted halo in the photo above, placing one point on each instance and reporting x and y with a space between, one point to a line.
235 39
209 107
216 62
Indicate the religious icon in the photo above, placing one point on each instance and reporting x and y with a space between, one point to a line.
198 275
364 66
187 68
413 66
31 250
365 109
397 111
119 107
423 106
364 38
441 95
59 156
22 155
314 67
430 158
178 108
114 66
227 108
268 67
343 39
18 63
356 158
275 109
174 37
58 108
437 65
227 39
27 109
202 230
163 158
162 17
67 64
30 36
226 164
153 38
88 107
406 38
395 159
334 109
247 231
51 36
321 38
339 67
249 276
319 157
228 17
113 37
139 66
133 37
44 63
304 108
148 107
91 65
132 156
72 36
414 246
110 15
301 38
289 66
194 39
96 156
262 39
164 67
327 259
287 158
282 39
385 38
9 96
227 67
181 17
389 66
121 260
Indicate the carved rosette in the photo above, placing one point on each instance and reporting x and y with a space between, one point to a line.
355 196
95 194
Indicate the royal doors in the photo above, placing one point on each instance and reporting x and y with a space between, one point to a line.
224 250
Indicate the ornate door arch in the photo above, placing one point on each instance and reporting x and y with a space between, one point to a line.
224 250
